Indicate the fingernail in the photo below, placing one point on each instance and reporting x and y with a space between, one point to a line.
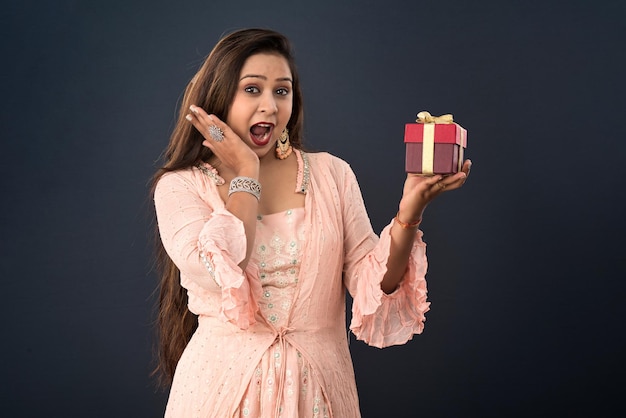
188 117
193 109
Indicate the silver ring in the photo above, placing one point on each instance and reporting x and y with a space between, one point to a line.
216 133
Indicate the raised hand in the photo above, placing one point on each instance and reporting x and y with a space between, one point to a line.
231 151
420 190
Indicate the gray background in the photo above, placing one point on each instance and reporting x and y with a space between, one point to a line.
527 262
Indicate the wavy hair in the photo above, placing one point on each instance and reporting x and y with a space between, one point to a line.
212 88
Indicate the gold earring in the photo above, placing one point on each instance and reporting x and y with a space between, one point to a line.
283 147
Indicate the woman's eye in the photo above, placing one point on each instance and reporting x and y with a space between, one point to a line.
251 89
282 91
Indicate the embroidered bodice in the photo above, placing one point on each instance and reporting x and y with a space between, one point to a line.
278 250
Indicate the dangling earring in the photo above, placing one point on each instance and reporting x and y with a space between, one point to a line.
283 147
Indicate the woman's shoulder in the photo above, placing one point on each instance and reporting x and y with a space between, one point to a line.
323 159
191 177
176 176
331 170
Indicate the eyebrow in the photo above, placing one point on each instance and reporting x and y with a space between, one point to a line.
265 78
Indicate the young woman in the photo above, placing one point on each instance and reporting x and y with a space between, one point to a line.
260 242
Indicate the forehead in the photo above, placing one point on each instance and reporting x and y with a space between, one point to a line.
266 64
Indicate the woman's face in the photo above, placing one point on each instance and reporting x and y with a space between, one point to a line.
263 102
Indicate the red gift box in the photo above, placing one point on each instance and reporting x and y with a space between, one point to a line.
434 145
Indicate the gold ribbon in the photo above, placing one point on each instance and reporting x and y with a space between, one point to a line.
428 149
463 141
425 117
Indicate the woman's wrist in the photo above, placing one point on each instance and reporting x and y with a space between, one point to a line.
251 171
407 223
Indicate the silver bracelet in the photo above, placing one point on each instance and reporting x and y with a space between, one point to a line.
245 184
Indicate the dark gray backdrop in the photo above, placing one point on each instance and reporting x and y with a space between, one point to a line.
527 262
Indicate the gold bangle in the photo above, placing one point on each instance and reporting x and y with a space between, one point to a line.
409 225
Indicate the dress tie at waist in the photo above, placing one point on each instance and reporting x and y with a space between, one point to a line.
281 333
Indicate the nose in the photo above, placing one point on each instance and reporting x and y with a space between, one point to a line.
268 103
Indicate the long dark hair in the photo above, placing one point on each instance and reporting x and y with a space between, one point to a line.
213 88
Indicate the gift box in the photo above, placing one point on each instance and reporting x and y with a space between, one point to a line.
434 145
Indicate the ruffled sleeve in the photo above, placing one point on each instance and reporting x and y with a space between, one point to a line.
206 242
221 252
379 319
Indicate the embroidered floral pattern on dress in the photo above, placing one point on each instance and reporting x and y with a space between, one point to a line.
303 179
280 239
319 407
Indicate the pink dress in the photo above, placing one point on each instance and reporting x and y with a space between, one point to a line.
271 340
282 386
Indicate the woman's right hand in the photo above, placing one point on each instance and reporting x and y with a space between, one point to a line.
231 151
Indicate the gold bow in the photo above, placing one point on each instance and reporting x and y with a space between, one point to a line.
425 117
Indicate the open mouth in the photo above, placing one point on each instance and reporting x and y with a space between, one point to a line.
261 133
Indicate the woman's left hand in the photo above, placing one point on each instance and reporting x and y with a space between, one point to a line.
420 190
